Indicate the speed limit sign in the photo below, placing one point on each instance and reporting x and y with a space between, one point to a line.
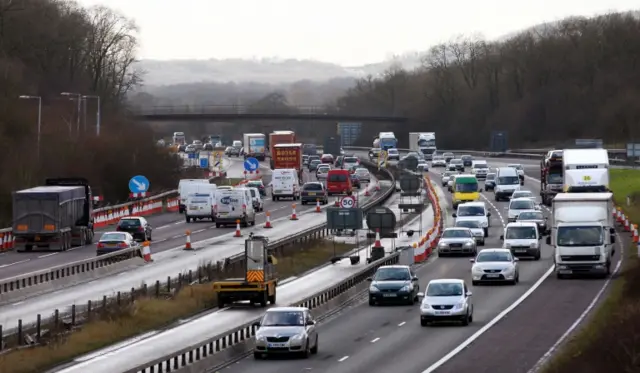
347 202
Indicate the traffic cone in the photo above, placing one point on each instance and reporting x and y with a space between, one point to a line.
377 243
318 206
187 245
626 224
377 186
293 212
146 252
238 233
635 233
267 224
366 191
337 203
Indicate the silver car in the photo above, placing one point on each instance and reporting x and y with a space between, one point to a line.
322 172
363 174
476 229
446 300
457 241
286 330
446 177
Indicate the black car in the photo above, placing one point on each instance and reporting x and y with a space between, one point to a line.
467 160
394 284
312 192
455 165
232 151
490 182
538 218
136 226
355 181
207 146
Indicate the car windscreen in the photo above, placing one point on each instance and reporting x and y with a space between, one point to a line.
456 233
530 215
283 318
392 274
521 205
508 180
468 224
441 289
521 233
493 257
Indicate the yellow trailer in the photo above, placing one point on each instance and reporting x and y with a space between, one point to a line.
260 281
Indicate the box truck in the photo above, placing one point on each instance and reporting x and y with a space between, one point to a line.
585 170
254 146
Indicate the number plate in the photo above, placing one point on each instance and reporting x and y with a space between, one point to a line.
493 275
442 312
521 250
312 194
389 295
276 345
222 213
565 271
193 208
37 238
277 191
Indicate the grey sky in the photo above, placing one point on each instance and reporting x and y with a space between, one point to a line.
347 32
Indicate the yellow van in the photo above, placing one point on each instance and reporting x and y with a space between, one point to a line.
465 188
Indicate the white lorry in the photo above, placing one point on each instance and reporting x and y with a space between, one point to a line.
423 142
585 170
254 145
582 233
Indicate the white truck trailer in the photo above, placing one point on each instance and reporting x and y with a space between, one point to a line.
585 170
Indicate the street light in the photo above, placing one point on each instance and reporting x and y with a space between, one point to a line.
27 97
97 112
78 96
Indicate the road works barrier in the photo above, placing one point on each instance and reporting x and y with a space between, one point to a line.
427 243
18 335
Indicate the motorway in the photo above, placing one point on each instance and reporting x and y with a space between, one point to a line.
169 232
384 339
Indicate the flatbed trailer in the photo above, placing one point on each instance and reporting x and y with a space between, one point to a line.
260 281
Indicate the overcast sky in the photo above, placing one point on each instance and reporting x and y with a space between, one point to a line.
348 32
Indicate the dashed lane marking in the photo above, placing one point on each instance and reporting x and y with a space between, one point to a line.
343 359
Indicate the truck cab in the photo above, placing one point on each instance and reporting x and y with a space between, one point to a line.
551 176
582 233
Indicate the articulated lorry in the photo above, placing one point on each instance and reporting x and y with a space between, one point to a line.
582 233
55 217
287 156
585 170
423 142
254 146
551 176
387 140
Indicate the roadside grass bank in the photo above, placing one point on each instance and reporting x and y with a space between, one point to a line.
136 315
610 339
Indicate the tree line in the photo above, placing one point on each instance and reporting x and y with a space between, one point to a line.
577 78
48 47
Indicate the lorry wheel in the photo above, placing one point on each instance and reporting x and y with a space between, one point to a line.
264 298
220 301
188 219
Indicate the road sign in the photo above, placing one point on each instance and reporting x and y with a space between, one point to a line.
193 155
251 164
381 218
138 184
339 218
347 202
204 162
633 150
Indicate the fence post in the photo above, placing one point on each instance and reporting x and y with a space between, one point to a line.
20 332
133 294
89 310
157 288
168 284
56 319
38 327
73 315
118 299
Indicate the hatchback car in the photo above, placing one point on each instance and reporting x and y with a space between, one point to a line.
258 184
438 161
286 330
517 205
467 160
537 217
363 174
393 284
446 300
476 229
446 177
322 172
457 241
393 154
455 165
490 181
313 165
137 226
448 156
495 265
312 192
326 159
115 241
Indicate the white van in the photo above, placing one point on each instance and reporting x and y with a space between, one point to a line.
233 205
199 206
507 182
185 187
285 184
479 168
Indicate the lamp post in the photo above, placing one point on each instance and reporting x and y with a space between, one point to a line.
97 112
78 96
39 98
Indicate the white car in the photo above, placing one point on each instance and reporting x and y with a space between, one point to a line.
494 265
350 162
476 211
446 300
480 169
322 172
476 229
438 161
516 205
523 194
446 177
522 239
286 330
363 174
393 154
423 166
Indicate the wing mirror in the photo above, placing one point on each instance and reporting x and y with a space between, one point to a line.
310 322
488 214
516 259
420 295
454 215
369 279
256 324
472 260
613 239
502 237
469 293
414 278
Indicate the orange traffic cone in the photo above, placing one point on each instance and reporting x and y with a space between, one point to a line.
146 252
626 224
377 243
267 224
238 233
318 206
293 212
187 245
366 191
635 233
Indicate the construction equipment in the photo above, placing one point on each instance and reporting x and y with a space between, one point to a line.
260 280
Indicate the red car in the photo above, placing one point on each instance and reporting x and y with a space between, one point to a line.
338 182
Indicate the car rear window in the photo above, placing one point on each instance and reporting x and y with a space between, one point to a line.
338 177
129 223
351 160
312 187
113 237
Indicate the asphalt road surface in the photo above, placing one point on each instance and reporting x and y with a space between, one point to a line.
384 339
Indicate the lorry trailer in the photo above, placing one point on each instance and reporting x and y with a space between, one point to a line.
423 143
287 156
254 146
551 176
585 170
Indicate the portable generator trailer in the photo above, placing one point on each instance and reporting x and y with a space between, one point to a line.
259 283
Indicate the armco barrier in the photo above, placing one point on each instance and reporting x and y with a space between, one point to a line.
229 264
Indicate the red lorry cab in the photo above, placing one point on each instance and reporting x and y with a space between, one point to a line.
338 182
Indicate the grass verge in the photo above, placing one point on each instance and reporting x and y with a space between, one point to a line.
610 340
147 313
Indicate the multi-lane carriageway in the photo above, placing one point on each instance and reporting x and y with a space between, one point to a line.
169 232
541 309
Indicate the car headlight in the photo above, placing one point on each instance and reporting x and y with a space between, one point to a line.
468 244
476 270
373 289
534 245
260 338
460 306
407 288
507 245
442 244
508 269
298 337
425 306
485 224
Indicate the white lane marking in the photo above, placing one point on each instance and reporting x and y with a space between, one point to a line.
495 208
17 303
375 340
402 323
538 365
198 231
343 359
14 263
123 273
46 255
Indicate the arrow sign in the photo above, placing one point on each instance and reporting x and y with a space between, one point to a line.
139 184
251 164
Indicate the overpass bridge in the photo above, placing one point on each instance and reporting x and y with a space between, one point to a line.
237 112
